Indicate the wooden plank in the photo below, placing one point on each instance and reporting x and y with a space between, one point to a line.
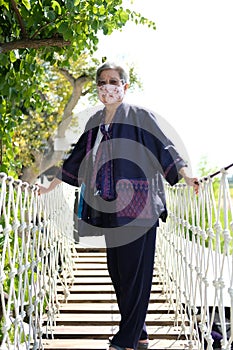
90 266
93 281
99 271
99 260
112 319
105 288
78 273
90 259
106 297
83 279
109 307
83 249
99 344
90 254
89 307
106 332
91 273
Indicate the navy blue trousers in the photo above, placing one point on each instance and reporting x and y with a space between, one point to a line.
130 267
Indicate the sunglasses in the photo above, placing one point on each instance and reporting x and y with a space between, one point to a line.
115 82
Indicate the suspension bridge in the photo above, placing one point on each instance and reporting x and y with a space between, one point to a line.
56 293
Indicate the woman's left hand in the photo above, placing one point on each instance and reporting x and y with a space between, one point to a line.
192 181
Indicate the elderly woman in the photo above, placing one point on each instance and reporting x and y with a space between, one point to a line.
122 160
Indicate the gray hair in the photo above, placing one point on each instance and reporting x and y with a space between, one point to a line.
107 65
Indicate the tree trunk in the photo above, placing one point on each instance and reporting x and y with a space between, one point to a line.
44 162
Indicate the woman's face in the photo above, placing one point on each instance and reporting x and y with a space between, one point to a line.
111 89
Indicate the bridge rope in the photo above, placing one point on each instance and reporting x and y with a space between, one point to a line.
194 250
36 241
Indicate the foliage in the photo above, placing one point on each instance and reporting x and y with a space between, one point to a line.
204 169
36 35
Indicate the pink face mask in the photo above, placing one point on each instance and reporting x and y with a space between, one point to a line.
109 94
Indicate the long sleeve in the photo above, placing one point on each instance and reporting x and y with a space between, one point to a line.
73 168
164 152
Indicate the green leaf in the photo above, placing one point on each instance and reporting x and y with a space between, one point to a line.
124 16
65 31
27 4
12 57
51 15
12 92
102 10
95 10
56 6
5 4
63 27
70 4
3 59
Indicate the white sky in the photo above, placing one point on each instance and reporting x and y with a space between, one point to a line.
186 67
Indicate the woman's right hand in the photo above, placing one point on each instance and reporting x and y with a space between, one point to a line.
52 185
42 189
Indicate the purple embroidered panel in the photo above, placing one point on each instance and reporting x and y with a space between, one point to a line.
133 199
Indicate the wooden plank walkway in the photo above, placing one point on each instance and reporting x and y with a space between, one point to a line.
90 317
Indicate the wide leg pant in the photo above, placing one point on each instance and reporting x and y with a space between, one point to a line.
131 270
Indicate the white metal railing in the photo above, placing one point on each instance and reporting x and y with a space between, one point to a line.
36 240
194 249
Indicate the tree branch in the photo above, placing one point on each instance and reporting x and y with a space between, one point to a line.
33 44
67 114
40 29
19 18
67 75
84 93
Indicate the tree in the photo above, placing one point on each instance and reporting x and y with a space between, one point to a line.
38 37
